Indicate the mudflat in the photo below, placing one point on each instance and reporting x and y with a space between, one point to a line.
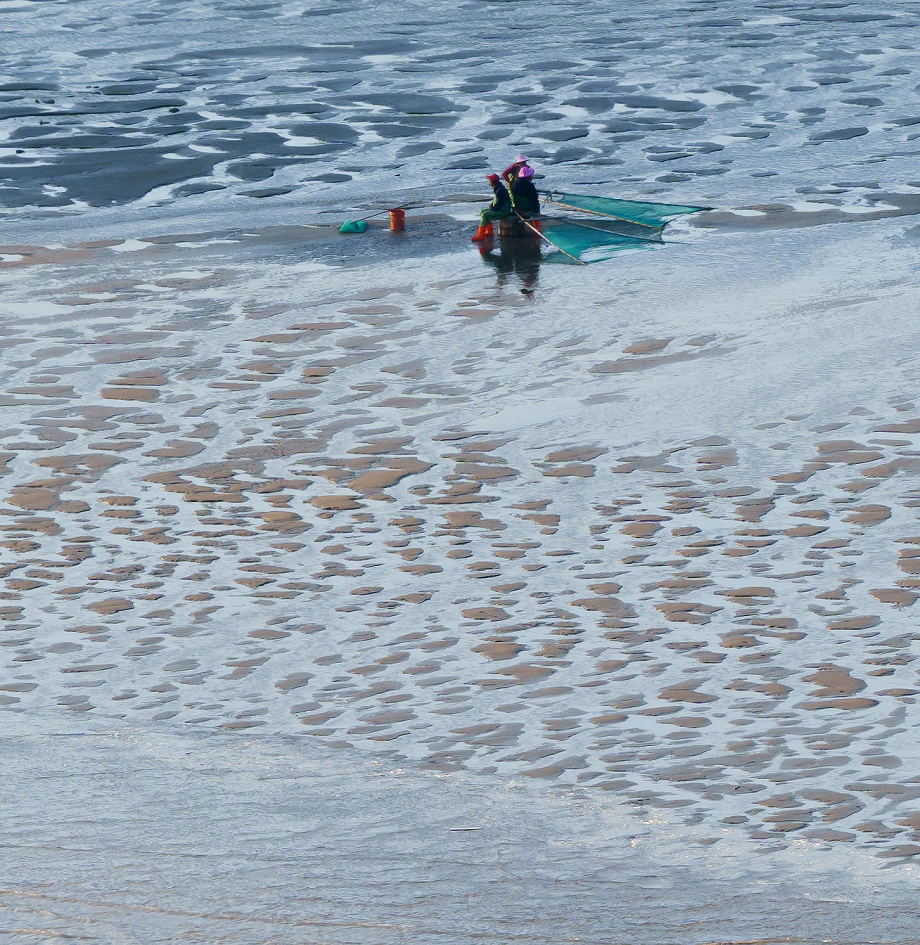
662 546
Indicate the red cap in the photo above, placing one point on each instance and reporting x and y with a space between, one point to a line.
493 179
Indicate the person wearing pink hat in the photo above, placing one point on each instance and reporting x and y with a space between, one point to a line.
499 209
514 168
524 196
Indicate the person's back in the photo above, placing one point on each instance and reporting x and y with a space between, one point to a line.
524 196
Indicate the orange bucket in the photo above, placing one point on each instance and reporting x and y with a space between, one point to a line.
397 220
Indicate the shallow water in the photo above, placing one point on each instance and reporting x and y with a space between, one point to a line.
574 556
180 837
210 101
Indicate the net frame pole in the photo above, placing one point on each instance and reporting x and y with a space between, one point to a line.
625 236
580 262
377 213
597 213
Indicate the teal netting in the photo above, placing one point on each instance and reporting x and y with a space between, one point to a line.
633 211
592 242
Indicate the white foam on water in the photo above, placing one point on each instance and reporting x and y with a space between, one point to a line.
131 246
773 21
33 309
533 413
191 244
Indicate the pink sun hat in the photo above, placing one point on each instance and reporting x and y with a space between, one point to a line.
520 159
526 172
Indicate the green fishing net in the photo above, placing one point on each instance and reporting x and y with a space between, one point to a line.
353 226
633 211
590 242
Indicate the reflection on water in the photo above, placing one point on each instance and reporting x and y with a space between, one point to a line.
516 256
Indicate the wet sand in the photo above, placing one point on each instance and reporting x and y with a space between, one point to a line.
315 548
403 508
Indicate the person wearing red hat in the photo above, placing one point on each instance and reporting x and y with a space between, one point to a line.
499 209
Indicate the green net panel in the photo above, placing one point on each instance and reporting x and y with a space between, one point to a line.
593 242
633 211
